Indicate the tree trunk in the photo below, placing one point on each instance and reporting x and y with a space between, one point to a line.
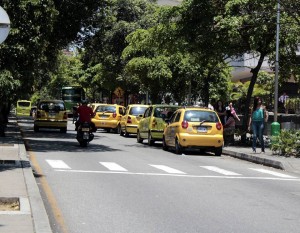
254 72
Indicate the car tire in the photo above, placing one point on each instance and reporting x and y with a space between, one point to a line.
121 132
164 145
63 130
126 134
107 130
36 129
218 151
178 148
83 144
150 139
138 137
118 129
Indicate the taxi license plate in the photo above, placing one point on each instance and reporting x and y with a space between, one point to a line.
52 114
103 117
202 129
85 129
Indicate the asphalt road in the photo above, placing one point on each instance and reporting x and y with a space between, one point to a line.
116 185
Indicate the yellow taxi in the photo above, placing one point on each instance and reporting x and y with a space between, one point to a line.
108 117
194 127
51 114
23 108
131 118
153 123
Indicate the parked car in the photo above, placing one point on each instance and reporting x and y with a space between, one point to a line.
194 127
108 117
51 114
153 123
130 120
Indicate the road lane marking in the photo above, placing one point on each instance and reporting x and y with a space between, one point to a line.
178 175
221 171
113 166
273 173
57 164
167 169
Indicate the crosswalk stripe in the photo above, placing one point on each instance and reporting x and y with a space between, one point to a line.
272 173
113 166
221 171
167 169
58 164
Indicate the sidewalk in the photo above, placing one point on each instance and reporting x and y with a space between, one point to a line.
17 181
18 185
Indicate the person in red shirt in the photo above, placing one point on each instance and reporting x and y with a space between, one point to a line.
85 114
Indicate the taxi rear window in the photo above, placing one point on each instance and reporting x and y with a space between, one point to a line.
52 106
24 104
198 116
135 111
109 109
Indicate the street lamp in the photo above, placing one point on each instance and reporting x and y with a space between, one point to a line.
4 25
275 127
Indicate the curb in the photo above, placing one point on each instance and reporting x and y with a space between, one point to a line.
255 159
39 215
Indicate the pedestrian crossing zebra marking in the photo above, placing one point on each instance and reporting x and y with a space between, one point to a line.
272 173
114 168
167 169
58 164
221 171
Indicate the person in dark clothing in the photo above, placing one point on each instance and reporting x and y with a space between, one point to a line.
221 110
85 114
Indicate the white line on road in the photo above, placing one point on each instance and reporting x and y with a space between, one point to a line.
221 171
58 164
113 166
272 173
167 169
179 175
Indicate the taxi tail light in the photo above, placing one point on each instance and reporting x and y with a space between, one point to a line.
184 124
65 116
114 115
219 126
129 120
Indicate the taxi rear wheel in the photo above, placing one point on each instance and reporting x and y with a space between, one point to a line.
118 129
126 134
36 128
218 151
178 148
165 147
138 137
63 130
150 140
121 132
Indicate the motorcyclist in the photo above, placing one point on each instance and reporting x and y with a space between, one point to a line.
85 114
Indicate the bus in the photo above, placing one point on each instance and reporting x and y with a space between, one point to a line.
23 108
71 96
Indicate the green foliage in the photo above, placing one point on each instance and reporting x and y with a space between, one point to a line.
287 143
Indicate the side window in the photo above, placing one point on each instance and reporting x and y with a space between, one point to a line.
121 110
177 118
146 114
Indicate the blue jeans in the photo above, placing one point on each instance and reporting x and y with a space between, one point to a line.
258 130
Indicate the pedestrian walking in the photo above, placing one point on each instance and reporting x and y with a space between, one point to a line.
233 112
259 115
221 110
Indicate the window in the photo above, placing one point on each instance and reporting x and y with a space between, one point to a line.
198 116
177 118
135 111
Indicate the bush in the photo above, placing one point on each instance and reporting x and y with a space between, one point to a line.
287 143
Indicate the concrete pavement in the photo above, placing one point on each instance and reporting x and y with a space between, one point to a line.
17 181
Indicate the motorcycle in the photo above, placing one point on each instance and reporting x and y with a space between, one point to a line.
84 134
